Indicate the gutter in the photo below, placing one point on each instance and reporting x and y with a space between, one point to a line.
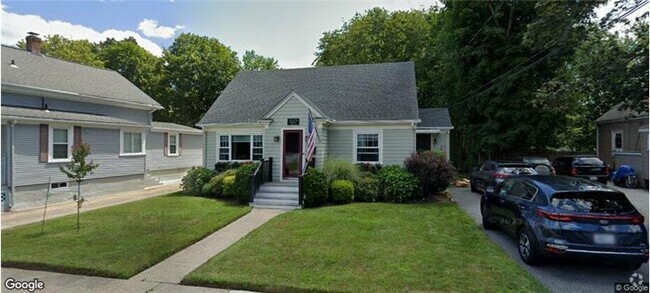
76 122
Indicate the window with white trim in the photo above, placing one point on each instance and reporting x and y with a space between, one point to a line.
617 140
172 141
132 143
60 144
367 147
224 148
241 147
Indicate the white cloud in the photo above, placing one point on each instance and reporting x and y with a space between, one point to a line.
150 28
15 28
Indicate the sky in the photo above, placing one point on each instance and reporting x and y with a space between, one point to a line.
286 30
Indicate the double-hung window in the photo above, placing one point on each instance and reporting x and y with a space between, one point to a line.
132 143
172 147
241 147
617 141
367 148
60 148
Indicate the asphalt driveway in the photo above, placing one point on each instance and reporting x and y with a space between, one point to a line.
564 276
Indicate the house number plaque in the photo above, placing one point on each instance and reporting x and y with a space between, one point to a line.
293 121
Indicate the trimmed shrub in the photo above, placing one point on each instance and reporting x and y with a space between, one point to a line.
214 188
342 191
242 179
229 186
314 186
225 166
192 183
369 167
337 169
432 169
397 184
367 189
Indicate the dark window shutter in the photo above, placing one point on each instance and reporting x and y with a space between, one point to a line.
180 144
77 135
165 138
42 157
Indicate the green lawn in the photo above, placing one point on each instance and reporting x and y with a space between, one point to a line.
118 241
373 247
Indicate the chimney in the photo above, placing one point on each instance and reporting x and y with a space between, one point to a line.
33 43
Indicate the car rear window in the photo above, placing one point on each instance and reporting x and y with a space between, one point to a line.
592 202
538 161
518 170
589 160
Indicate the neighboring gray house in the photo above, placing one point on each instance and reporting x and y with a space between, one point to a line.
622 139
171 146
364 113
48 105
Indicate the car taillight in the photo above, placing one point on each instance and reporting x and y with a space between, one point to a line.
606 170
638 220
500 175
574 171
554 216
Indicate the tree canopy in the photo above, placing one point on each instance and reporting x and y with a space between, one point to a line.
252 61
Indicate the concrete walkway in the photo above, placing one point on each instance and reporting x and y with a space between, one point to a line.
162 277
173 269
31 215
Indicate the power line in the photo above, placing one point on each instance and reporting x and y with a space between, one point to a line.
484 24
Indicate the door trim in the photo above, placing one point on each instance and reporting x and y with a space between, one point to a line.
282 149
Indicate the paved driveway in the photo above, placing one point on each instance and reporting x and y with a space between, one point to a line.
565 276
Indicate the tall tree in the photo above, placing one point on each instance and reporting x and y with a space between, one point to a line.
252 61
80 51
196 70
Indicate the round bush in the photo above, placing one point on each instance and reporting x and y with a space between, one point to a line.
242 180
314 187
367 188
397 184
432 169
342 191
214 188
228 186
192 183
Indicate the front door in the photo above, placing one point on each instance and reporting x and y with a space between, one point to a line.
292 153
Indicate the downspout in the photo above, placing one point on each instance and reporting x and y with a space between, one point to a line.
12 134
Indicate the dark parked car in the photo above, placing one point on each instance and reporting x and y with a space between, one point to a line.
588 167
559 216
494 172
542 165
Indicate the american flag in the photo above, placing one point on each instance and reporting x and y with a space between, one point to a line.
311 141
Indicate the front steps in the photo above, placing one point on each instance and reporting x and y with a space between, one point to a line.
277 195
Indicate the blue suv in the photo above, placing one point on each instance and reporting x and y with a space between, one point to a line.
559 216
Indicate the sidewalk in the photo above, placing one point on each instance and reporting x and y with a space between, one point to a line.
35 214
162 277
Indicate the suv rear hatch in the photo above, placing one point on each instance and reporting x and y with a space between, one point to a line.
597 218
587 166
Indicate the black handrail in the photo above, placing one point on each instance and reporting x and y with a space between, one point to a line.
262 174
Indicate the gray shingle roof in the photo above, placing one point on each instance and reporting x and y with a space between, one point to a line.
615 115
9 112
167 126
435 117
384 91
54 74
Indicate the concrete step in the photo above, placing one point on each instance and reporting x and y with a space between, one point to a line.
276 202
278 189
293 183
273 207
272 195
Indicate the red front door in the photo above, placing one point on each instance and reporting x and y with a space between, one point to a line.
291 153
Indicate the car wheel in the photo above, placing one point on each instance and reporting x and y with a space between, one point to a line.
631 265
527 248
472 186
488 222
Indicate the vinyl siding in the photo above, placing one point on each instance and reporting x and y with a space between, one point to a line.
210 153
104 144
441 142
398 144
134 115
212 141
633 141
191 153
340 144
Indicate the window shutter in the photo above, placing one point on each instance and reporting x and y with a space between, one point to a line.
180 144
165 143
42 157
77 135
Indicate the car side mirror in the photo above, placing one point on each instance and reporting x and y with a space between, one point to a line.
490 189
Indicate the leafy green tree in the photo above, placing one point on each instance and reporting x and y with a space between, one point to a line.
78 169
196 70
79 51
252 61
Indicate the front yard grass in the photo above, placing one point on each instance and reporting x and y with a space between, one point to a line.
118 241
373 247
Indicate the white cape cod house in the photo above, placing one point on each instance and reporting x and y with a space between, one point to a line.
48 105
364 113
